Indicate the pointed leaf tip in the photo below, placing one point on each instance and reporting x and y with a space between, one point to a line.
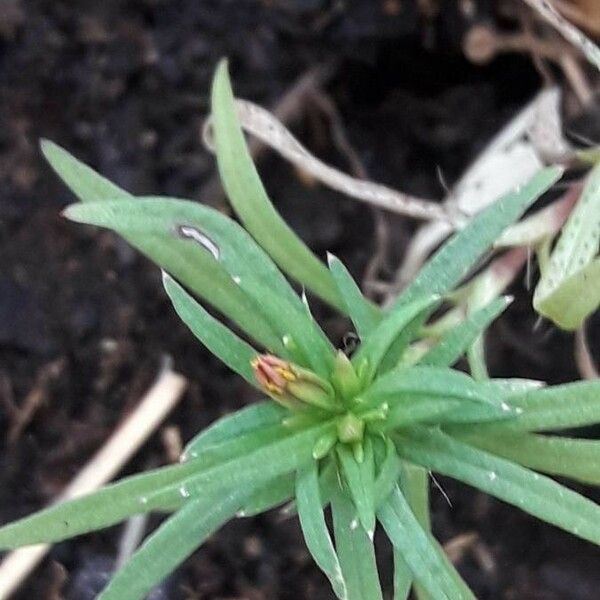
166 278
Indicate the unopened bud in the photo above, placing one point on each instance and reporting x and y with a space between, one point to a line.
344 377
350 429
291 385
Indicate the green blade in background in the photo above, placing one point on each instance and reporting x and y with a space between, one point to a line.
251 203
82 180
375 346
457 340
403 579
388 474
525 489
355 551
314 528
423 558
577 459
574 299
360 481
558 407
414 484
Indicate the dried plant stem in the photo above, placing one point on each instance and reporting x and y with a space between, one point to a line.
162 397
567 30
262 124
265 126
358 170
583 356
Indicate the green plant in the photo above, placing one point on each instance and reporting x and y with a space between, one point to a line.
357 435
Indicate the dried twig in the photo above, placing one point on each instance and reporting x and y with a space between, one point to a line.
358 170
133 533
583 356
459 545
34 399
266 127
567 30
104 465
171 440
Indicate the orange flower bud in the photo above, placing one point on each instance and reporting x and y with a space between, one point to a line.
291 385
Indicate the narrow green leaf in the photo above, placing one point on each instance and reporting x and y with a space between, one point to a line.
415 487
189 263
195 232
431 382
452 262
577 459
251 203
220 340
105 507
525 489
314 528
505 389
375 346
229 447
476 360
414 484
403 579
262 456
198 272
329 480
245 460
363 313
360 478
388 475
421 556
557 407
355 551
170 545
83 181
328 486
458 339
274 493
414 409
253 417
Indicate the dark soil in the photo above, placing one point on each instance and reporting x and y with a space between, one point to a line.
84 321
